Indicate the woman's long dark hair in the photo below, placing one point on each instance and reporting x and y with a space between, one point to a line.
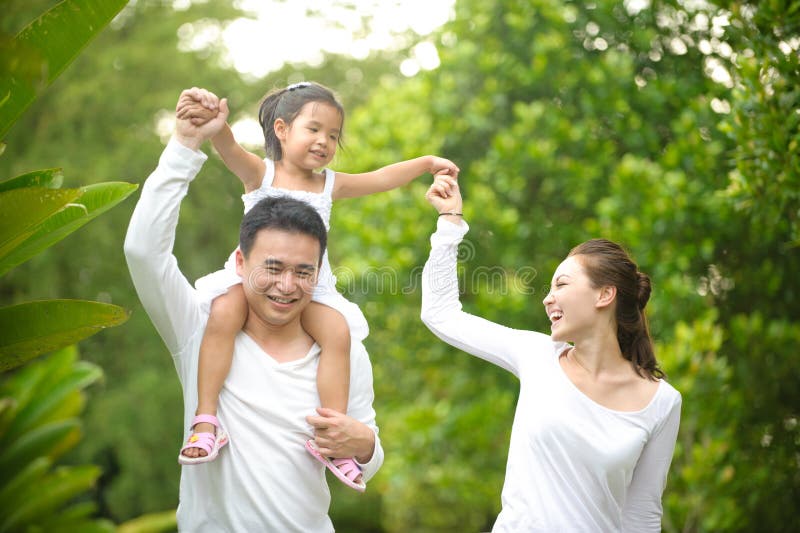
607 264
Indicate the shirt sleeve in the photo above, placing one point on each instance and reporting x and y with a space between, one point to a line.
166 294
643 509
442 312
359 405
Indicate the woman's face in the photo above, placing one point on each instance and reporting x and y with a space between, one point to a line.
571 303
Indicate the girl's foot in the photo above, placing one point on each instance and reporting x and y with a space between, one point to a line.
203 446
196 451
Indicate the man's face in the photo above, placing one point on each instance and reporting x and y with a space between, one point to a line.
279 275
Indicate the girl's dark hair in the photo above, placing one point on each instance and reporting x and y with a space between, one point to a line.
607 264
286 104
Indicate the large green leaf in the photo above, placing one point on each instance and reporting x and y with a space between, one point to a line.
40 442
42 409
61 486
165 521
22 210
33 328
94 200
48 177
52 41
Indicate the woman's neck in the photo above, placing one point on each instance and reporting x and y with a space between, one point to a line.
598 355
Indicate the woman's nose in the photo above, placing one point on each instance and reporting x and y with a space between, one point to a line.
547 298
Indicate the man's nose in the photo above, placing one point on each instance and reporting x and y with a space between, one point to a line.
287 281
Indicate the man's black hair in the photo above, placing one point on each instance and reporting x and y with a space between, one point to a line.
282 213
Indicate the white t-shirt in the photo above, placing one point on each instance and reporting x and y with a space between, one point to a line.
264 480
573 465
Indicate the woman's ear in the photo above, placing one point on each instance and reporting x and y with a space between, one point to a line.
606 296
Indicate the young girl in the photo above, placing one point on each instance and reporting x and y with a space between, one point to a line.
302 127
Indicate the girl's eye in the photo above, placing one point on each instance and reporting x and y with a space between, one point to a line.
313 130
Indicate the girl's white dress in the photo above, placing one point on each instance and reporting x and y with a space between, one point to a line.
218 282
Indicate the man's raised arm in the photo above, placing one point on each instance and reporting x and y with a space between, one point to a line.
165 293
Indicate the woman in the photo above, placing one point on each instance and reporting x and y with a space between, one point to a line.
596 424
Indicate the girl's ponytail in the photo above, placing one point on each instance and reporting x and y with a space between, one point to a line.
266 117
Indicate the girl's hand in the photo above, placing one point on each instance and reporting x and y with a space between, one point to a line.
444 194
196 113
440 165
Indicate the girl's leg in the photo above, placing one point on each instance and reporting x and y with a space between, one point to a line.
329 328
227 318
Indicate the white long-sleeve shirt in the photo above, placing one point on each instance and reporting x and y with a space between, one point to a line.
264 480
573 465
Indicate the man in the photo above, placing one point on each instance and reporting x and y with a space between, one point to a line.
264 480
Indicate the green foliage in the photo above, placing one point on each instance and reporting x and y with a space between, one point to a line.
39 423
40 403
36 213
569 121
34 328
163 522
84 205
50 43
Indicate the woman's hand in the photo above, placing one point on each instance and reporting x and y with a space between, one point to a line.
444 195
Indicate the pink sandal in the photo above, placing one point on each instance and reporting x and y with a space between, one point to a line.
347 470
212 443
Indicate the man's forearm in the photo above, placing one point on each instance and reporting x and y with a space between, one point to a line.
165 294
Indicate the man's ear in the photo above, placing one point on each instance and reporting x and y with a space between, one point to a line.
239 262
606 296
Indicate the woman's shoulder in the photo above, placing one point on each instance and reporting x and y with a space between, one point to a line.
670 393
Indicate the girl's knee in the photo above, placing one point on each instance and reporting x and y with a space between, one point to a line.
228 311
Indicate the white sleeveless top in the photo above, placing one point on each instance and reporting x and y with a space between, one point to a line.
217 283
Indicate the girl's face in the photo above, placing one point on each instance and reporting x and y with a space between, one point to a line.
571 304
311 139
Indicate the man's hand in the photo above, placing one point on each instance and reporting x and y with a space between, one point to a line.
187 130
338 435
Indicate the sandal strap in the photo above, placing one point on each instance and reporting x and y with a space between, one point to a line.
204 441
208 419
348 467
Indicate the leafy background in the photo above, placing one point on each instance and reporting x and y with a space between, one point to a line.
671 127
